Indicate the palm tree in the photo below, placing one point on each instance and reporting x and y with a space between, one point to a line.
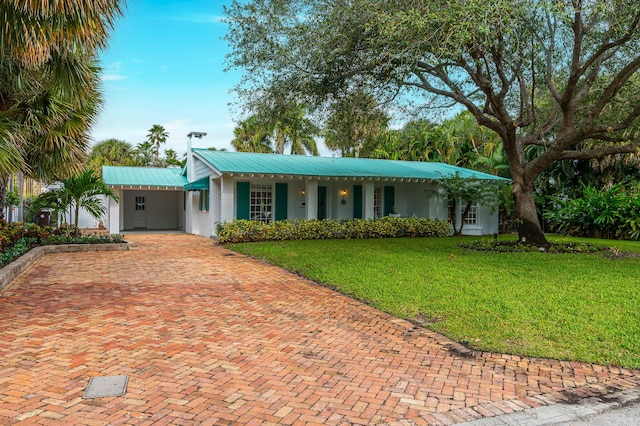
171 158
354 121
252 135
157 136
291 127
111 152
145 154
49 84
79 191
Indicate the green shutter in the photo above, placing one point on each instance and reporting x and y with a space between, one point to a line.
389 199
243 192
206 200
184 200
357 201
281 201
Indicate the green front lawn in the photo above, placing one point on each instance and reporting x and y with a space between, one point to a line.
569 306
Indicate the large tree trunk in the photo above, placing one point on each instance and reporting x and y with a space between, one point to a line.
529 229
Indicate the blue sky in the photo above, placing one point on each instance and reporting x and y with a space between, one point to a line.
165 65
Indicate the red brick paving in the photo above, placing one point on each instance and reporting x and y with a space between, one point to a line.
210 337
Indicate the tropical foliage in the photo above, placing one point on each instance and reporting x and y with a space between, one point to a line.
459 141
78 192
157 136
17 238
49 84
608 213
354 121
274 126
111 152
467 192
252 135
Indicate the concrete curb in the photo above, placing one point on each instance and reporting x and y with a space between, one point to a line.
21 264
560 414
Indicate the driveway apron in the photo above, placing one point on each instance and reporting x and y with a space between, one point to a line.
207 336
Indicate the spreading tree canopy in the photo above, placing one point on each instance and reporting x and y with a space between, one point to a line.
557 75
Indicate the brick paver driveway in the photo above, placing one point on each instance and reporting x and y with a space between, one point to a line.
210 337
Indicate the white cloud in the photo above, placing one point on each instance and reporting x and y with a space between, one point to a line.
113 77
112 72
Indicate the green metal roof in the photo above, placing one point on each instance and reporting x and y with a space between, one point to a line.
198 185
143 176
299 165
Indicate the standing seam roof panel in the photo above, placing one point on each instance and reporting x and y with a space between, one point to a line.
248 163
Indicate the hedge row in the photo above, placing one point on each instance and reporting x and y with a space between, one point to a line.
241 231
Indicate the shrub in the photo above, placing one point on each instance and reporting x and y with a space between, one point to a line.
17 238
610 213
83 239
240 231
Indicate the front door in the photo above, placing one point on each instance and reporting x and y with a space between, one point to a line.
140 212
322 202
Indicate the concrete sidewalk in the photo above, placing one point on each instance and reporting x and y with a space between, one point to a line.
207 336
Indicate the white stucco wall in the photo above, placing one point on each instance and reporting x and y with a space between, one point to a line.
411 199
202 219
296 200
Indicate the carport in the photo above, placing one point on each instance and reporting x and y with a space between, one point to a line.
149 198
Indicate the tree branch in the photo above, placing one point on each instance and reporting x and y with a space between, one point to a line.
603 151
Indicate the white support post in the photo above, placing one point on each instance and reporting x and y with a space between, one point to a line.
113 215
311 194
367 202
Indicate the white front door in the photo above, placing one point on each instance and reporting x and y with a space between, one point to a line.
140 212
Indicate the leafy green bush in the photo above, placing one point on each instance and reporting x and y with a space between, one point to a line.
609 213
17 238
240 231
20 247
83 239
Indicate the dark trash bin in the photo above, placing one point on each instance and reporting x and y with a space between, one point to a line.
43 217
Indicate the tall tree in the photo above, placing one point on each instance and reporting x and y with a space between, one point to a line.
292 127
49 84
354 121
252 135
545 73
157 136
111 152
171 158
145 154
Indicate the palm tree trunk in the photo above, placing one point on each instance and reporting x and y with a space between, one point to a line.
3 191
76 231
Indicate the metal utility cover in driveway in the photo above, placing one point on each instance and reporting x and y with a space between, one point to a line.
101 387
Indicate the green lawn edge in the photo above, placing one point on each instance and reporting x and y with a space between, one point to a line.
582 307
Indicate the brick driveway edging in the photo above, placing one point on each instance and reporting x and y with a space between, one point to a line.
21 264
208 336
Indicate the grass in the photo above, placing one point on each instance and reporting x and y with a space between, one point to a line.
583 307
